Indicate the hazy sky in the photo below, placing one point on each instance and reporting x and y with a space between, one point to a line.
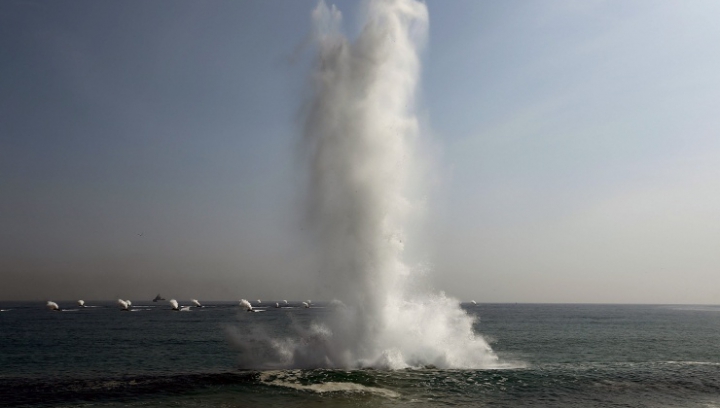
151 147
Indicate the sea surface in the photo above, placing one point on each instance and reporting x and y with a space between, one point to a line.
561 356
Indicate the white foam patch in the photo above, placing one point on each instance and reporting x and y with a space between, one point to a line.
692 363
288 379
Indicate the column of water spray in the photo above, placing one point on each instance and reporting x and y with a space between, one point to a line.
359 132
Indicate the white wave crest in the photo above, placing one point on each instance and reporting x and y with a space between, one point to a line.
287 380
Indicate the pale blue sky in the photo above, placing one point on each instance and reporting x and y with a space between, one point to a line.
575 149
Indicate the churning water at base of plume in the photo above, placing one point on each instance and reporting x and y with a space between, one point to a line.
557 355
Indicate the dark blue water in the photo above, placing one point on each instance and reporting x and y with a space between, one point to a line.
565 355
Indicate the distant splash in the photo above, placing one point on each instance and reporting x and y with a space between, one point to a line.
246 305
52 305
359 133
124 304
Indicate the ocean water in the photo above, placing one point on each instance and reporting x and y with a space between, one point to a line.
556 355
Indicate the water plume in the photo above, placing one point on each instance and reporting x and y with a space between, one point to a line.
246 305
52 305
174 304
81 303
196 303
360 134
124 304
